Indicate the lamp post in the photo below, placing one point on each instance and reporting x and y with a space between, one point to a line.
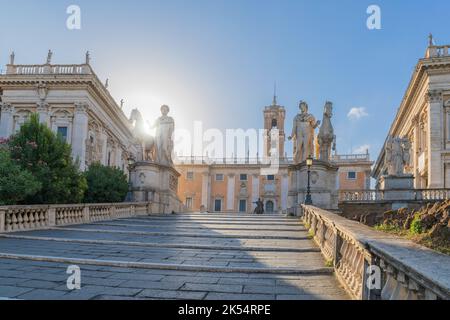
130 191
308 199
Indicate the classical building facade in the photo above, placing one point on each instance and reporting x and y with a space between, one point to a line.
73 102
424 119
234 185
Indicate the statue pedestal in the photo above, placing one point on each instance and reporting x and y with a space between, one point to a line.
397 187
158 184
323 184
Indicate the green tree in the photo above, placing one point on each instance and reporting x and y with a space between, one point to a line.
15 183
48 157
105 184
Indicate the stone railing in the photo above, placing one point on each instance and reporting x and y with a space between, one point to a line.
379 195
437 51
46 69
350 157
21 218
395 268
180 160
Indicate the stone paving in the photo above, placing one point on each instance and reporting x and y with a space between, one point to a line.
183 256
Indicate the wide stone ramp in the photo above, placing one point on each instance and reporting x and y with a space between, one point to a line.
182 256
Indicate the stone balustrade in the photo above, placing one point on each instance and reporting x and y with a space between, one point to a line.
437 51
406 270
45 69
21 218
379 195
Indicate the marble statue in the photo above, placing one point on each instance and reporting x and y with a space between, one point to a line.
146 141
12 57
165 126
397 155
49 56
303 134
88 57
326 138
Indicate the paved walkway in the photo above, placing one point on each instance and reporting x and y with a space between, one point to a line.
184 256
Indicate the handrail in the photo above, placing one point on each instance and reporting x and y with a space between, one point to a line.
405 270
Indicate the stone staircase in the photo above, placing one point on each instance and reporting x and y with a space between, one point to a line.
182 256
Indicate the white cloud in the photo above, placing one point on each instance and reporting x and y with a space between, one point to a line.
357 113
362 149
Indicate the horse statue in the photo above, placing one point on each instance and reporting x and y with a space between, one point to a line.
145 139
259 207
326 137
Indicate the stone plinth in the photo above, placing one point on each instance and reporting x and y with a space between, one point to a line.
323 182
399 187
157 183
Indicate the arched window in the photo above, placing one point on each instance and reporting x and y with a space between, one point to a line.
274 123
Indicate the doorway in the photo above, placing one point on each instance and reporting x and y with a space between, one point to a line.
269 206
243 205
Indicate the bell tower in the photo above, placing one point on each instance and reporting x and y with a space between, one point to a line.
274 116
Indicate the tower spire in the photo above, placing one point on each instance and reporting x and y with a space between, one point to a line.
274 101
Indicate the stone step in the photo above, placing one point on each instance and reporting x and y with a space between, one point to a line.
234 222
157 245
83 228
165 226
162 266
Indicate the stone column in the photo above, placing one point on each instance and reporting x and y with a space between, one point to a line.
206 190
435 139
255 188
6 120
284 191
415 150
230 191
104 140
43 112
79 134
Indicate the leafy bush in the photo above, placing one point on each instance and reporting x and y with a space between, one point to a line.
416 225
15 183
48 157
105 184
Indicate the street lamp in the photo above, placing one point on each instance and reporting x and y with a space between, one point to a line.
308 199
130 191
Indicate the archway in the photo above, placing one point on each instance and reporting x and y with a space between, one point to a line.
269 206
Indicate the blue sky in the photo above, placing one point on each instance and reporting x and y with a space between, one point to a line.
217 61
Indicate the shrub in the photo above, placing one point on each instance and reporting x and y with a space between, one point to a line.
48 157
15 183
416 225
105 184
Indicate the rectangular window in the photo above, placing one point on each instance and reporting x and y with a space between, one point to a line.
190 175
270 177
219 177
189 203
242 205
62 131
243 177
218 205
351 175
